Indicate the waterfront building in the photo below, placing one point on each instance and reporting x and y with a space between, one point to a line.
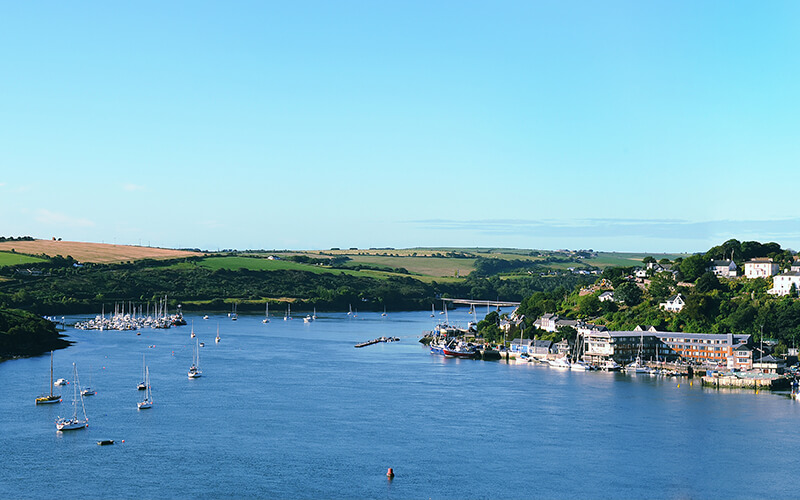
742 358
760 268
624 346
723 268
769 364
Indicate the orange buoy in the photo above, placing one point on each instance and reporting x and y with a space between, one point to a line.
390 473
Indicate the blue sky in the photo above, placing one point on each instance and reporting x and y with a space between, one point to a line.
642 126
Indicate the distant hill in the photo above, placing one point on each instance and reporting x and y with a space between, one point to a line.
101 253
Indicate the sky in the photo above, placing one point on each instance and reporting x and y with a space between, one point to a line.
658 126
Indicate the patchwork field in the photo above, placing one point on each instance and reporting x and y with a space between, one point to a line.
103 253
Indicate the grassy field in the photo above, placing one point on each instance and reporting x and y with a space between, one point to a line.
12 259
102 253
607 259
427 266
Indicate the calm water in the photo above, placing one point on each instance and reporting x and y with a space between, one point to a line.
289 409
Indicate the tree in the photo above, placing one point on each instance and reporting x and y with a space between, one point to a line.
589 305
707 282
649 260
693 267
628 293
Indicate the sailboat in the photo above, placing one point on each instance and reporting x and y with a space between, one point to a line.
266 314
147 402
143 384
433 311
350 312
51 398
637 366
314 316
217 339
194 371
234 316
384 311
71 424
288 312
191 336
88 390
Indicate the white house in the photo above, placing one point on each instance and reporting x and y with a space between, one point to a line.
782 283
760 268
723 268
606 296
673 304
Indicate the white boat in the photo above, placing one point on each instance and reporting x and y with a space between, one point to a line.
51 398
610 365
636 367
143 384
217 338
147 402
205 317
191 336
266 314
308 319
288 312
433 311
61 381
561 362
88 390
579 366
384 311
314 316
350 312
234 315
194 370
73 423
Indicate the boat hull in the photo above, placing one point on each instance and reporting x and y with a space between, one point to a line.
71 425
47 400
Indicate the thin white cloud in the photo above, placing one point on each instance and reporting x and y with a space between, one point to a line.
132 187
2 184
55 218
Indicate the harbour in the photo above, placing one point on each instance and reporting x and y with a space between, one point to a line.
290 409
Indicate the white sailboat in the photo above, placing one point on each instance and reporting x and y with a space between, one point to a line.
637 366
266 314
350 311
384 311
217 339
71 424
433 311
191 336
194 370
143 384
46 399
147 402
288 312
234 316
314 316
88 390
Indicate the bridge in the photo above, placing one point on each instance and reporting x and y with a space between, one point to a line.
487 303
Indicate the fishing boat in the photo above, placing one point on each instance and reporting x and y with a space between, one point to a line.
194 370
74 423
147 402
460 350
217 338
51 398
143 384
266 314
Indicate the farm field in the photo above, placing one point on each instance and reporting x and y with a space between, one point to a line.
263 264
13 259
102 253
438 267
607 259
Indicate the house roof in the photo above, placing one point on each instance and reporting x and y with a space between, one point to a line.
721 263
769 359
760 260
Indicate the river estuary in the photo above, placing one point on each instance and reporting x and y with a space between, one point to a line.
293 410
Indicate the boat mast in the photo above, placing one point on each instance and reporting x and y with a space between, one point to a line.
51 374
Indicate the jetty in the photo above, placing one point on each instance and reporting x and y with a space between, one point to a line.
746 380
378 340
